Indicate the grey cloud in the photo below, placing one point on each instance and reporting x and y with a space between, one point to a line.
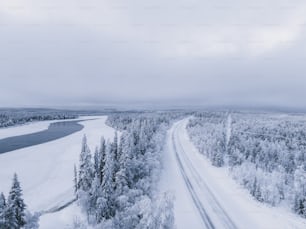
63 53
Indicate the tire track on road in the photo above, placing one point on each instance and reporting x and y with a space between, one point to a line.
205 218
214 203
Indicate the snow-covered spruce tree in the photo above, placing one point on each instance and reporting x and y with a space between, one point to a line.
85 168
95 195
91 181
102 193
107 202
15 211
121 179
300 191
2 211
102 153
115 154
97 201
75 179
96 158
86 175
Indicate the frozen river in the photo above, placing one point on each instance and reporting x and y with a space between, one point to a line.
55 131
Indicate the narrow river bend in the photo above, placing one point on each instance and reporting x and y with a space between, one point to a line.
55 131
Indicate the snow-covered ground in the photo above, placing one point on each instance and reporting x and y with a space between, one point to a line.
46 170
63 219
207 197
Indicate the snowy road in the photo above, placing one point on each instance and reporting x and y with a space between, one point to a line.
207 197
211 212
201 194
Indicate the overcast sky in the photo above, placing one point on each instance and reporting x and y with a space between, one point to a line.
186 52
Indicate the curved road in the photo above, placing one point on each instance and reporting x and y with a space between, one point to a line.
210 210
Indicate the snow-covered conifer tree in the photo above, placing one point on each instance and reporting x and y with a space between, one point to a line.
300 191
115 155
102 151
15 206
124 163
108 184
2 211
96 161
75 179
86 167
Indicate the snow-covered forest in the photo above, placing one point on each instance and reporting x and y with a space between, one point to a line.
265 153
160 170
116 185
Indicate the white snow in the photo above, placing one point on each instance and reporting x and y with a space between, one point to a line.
46 170
63 219
237 204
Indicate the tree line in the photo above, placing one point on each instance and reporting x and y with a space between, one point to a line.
17 117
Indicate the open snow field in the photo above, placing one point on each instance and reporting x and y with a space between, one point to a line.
46 170
63 219
207 197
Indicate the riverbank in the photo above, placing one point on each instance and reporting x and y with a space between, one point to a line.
46 170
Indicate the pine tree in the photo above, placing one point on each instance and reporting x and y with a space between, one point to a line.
15 206
257 193
97 157
86 168
75 179
102 151
123 163
300 191
108 185
114 152
95 194
2 211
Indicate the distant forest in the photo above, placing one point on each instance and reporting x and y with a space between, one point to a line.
18 116
12 117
